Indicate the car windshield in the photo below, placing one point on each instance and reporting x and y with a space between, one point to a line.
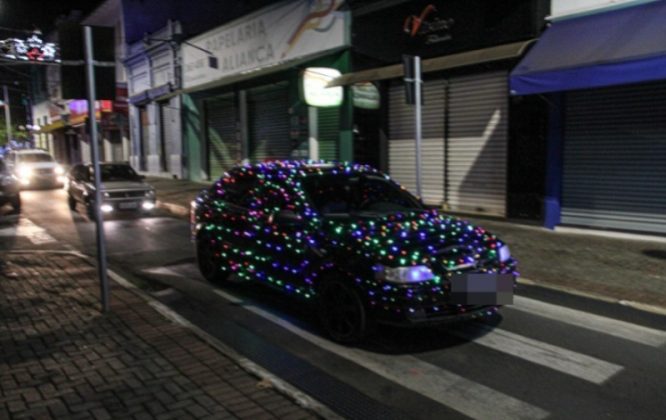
118 173
347 193
35 157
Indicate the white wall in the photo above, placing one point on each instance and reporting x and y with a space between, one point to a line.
566 7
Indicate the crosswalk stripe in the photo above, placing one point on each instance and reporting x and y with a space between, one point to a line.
609 326
566 361
470 398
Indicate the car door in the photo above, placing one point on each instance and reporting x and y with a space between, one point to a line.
231 227
282 231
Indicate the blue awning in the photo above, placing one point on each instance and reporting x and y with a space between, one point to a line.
609 48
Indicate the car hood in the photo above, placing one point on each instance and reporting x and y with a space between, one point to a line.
123 186
37 165
442 242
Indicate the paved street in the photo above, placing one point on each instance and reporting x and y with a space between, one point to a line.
549 355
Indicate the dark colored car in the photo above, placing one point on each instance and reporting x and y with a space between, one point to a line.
352 241
9 188
122 189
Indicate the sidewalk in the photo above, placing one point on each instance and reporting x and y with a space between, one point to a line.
615 268
60 357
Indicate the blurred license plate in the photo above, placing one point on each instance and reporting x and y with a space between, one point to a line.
127 206
482 289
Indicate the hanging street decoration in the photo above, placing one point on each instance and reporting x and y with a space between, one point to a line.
30 49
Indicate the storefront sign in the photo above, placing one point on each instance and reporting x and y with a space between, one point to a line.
315 92
429 26
365 95
275 35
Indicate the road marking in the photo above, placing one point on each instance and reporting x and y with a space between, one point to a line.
566 361
26 228
613 327
470 398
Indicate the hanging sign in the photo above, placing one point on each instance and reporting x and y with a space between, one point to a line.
315 92
365 95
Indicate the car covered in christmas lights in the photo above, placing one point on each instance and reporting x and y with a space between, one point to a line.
352 241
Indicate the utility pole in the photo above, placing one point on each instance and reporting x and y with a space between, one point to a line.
8 114
94 152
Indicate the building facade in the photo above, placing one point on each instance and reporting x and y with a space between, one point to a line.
607 126
243 88
470 143
153 69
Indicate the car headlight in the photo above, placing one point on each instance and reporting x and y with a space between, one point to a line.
403 275
59 170
150 193
24 172
504 253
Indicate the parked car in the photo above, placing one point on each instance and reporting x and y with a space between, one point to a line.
9 189
122 189
352 241
35 168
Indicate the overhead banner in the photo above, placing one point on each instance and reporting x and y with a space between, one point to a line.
274 35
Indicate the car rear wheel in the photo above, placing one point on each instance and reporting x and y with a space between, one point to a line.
342 312
210 265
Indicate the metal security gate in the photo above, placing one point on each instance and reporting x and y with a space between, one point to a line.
402 163
224 149
268 122
328 128
144 136
477 143
166 136
614 169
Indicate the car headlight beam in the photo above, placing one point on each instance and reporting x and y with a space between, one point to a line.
24 172
59 170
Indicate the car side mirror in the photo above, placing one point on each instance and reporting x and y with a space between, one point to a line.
287 218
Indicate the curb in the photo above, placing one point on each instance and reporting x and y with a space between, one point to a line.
281 386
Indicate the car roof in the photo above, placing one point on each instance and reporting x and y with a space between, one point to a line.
306 166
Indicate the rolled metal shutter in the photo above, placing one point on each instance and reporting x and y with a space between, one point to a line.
268 121
328 128
224 149
614 169
477 143
402 154
145 133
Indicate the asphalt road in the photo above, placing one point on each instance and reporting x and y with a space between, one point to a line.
548 355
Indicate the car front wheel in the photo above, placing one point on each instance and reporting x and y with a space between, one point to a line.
342 312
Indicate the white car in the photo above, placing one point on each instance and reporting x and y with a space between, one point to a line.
35 168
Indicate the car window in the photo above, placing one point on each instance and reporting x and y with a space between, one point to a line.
35 157
237 189
345 193
112 173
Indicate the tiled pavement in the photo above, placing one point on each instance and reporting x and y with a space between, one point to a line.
61 358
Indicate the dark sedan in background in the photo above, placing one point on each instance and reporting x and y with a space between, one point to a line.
352 241
123 190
